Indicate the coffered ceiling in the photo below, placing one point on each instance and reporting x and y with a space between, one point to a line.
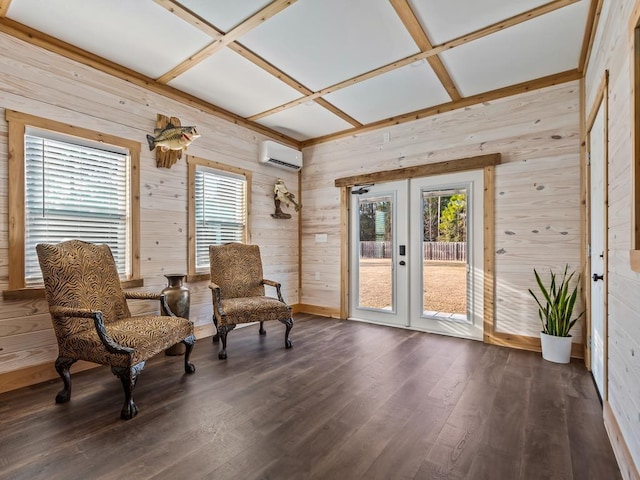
312 70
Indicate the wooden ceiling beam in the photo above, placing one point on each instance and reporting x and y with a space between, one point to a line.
412 24
195 20
231 36
511 90
509 22
192 18
268 67
456 42
4 7
47 42
336 111
52 44
201 24
283 77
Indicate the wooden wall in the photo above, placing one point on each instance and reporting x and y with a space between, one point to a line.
612 51
40 83
537 198
537 191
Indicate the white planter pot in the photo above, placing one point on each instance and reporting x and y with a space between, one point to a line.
555 349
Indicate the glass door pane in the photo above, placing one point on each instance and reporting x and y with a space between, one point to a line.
444 254
379 259
447 275
375 286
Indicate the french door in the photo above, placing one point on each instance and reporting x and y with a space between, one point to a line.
378 249
416 254
598 250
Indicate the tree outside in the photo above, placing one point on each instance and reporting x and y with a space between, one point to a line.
453 220
375 220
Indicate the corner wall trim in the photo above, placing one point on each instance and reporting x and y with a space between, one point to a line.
628 468
316 310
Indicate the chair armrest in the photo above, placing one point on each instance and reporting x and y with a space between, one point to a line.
217 299
142 295
276 285
107 341
164 306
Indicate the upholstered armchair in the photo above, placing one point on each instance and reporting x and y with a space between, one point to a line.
92 321
239 295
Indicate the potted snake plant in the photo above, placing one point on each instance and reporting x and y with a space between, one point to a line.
555 309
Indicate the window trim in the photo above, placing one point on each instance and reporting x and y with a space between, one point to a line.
17 125
193 162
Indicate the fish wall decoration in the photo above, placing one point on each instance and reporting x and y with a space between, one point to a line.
170 139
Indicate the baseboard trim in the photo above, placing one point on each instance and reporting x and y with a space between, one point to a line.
524 342
521 342
35 374
46 371
316 310
627 466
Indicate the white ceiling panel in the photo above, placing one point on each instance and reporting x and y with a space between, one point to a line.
400 91
225 14
123 31
322 42
318 43
446 20
235 84
543 46
305 121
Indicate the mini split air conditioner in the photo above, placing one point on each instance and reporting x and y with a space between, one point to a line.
278 155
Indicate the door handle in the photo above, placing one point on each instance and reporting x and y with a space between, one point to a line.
402 262
597 277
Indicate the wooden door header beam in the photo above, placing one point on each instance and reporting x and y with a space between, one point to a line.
449 166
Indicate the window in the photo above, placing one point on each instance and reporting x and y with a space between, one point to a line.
68 182
218 209
73 191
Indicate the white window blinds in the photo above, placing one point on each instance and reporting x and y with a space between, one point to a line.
220 211
74 190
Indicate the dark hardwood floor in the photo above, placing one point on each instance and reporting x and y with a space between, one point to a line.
349 401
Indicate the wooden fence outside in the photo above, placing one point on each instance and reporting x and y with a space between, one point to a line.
438 251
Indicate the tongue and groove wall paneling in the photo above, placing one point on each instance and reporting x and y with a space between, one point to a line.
537 192
42 83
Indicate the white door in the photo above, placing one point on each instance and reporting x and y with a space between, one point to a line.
598 247
452 266
416 254
378 270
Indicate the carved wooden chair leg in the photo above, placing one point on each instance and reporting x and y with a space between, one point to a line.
223 330
287 341
262 331
216 336
63 364
189 342
128 376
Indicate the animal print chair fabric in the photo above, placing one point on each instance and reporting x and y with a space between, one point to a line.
239 295
92 321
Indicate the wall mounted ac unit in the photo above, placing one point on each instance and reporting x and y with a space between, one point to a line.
278 155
